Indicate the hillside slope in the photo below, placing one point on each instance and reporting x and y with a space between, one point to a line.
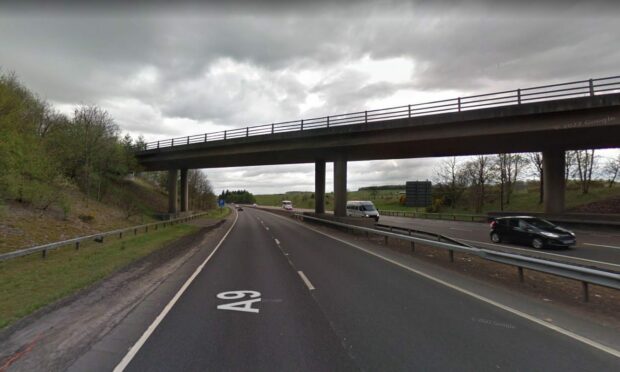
129 202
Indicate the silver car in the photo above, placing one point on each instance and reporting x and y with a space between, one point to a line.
362 208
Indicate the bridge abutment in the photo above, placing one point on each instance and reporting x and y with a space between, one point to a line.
340 187
319 186
554 183
173 174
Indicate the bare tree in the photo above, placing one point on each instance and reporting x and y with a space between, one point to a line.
479 173
453 180
586 162
508 167
611 170
536 162
570 162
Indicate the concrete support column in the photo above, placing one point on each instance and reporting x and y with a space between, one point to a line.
340 187
184 191
319 186
172 190
553 180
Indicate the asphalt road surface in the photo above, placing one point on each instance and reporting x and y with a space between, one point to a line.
279 296
599 248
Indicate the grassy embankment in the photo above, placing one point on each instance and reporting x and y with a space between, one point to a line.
525 199
29 283
22 225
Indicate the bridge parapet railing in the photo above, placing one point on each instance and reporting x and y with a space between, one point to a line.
573 89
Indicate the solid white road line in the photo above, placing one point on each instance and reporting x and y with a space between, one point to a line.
544 253
509 309
136 347
601 245
308 284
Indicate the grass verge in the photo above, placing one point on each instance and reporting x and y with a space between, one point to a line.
29 283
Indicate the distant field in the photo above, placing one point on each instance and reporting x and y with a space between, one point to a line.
525 199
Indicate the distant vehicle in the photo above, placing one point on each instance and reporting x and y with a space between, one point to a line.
362 209
532 231
287 204
240 208
254 205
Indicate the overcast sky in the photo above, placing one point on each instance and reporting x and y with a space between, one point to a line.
165 71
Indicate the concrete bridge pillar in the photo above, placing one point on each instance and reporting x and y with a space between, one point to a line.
319 186
172 190
340 187
184 191
553 180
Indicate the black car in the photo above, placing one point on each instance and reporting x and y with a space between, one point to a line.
532 231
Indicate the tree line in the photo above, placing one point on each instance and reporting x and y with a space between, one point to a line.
238 196
43 152
476 175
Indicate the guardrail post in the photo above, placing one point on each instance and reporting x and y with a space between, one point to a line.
247 131
365 117
328 121
224 134
146 229
187 140
272 127
409 110
172 142
120 235
586 294
459 101
519 96
521 278
591 90
157 144
77 246
44 253
302 124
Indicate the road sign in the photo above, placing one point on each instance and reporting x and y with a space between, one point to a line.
418 194
221 202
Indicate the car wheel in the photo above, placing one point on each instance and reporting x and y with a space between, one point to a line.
538 243
495 238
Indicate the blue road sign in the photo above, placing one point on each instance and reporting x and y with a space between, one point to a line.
221 202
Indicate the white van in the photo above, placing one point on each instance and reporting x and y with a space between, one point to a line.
362 208
287 204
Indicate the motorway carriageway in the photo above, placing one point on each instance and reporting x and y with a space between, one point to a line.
276 295
598 248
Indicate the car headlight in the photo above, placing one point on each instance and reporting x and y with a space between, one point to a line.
550 235
366 215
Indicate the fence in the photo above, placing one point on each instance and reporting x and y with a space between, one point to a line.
583 274
571 89
99 237
439 216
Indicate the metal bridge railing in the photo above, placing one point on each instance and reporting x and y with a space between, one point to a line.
571 89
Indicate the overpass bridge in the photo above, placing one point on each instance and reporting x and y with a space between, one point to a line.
550 119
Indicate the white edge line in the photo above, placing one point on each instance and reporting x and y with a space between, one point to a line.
601 245
543 253
308 284
531 318
136 347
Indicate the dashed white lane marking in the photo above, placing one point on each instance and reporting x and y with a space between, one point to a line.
267 228
308 284
509 309
601 245
136 347
277 241
543 253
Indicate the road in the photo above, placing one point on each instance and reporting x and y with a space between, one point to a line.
599 248
315 303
